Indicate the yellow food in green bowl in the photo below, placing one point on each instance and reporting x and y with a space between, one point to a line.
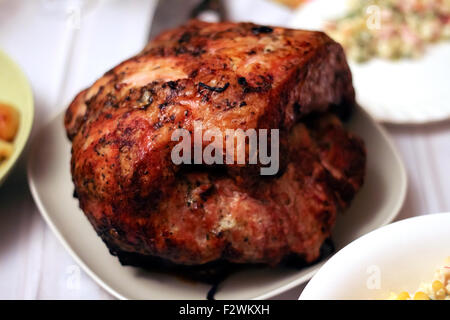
9 122
17 111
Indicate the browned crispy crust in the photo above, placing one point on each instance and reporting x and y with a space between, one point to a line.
228 76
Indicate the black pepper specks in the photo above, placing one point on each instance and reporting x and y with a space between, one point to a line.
157 125
215 89
263 85
261 29
185 37
242 81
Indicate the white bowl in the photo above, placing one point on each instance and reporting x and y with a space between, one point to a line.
397 257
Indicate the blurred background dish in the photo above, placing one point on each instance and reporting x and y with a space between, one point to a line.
16 112
413 87
394 258
391 29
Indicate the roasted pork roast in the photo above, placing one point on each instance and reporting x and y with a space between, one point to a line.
225 76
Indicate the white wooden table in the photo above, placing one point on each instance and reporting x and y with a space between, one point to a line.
63 49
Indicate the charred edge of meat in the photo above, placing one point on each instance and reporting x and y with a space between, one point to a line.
295 261
213 273
210 273
343 111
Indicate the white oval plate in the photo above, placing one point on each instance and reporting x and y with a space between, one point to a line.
398 257
404 91
376 204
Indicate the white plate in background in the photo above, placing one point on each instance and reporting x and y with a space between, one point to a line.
406 91
376 204
401 256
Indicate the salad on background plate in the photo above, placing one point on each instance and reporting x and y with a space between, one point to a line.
399 53
391 29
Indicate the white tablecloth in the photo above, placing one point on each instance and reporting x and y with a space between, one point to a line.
63 48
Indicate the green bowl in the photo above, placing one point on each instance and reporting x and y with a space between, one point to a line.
15 90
